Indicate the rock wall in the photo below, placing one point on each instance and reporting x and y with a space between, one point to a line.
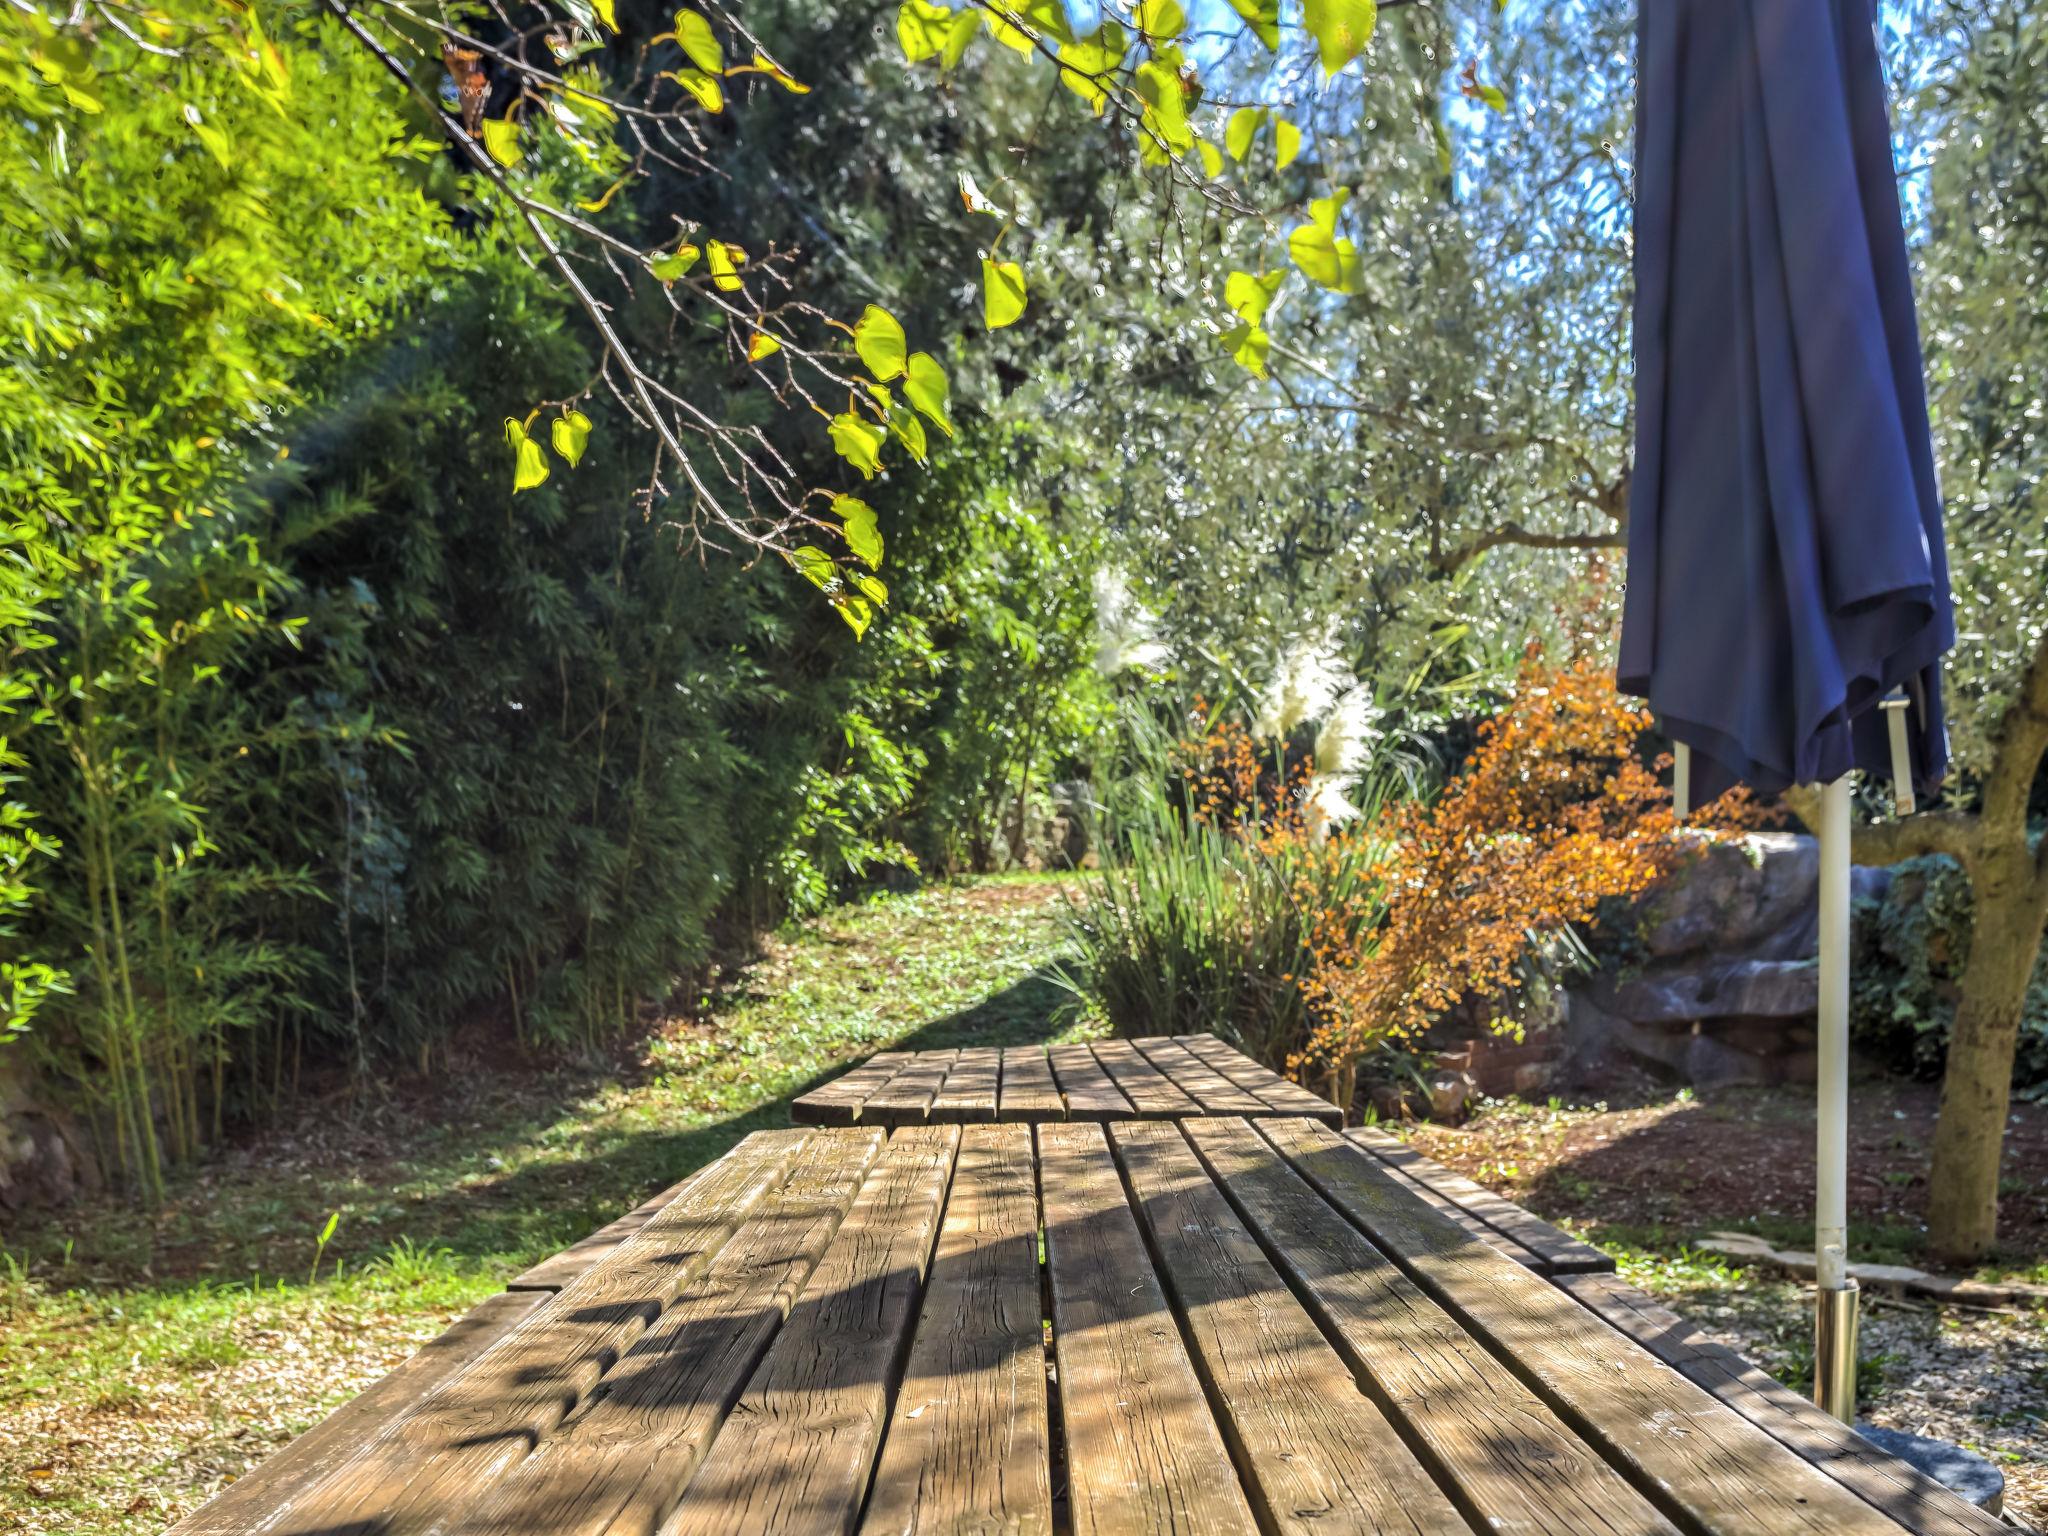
43 1158
1723 983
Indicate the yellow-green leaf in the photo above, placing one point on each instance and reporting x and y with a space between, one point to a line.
761 345
1212 158
909 432
1166 104
1247 345
856 612
710 95
1341 29
1249 297
1263 16
671 265
873 586
815 565
1161 18
857 523
607 13
766 66
1242 128
725 260
859 442
926 387
922 29
1002 292
1009 36
501 138
1286 143
569 434
1327 259
878 338
699 43
965 24
529 459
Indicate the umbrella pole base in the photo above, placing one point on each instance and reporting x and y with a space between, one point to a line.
1834 1351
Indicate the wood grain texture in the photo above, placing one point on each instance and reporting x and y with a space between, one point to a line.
1700 1462
1508 1461
1898 1488
571 1263
1279 1094
795 1452
839 1101
1152 1094
968 1444
1464 1218
906 1099
1028 1094
1215 1093
1088 1090
1562 1254
247 1502
1143 1451
1317 1455
621 1463
968 1096
427 1465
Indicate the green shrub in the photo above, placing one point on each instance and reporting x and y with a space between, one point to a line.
1909 952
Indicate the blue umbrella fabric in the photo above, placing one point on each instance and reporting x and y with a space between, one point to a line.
1786 568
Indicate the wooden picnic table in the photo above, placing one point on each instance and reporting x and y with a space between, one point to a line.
1211 1324
1163 1077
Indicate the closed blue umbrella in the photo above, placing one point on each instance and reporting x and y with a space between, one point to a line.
1786 570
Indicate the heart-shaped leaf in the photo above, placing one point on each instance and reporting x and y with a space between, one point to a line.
878 338
1002 293
529 459
859 442
857 524
570 433
926 387
700 44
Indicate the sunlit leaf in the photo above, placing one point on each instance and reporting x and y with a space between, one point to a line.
1341 29
856 612
764 65
909 432
814 564
709 94
760 345
1002 292
529 459
965 24
971 195
671 265
1286 143
1325 258
922 29
857 523
1247 345
501 138
878 338
1048 17
859 442
570 432
725 261
1161 18
1086 63
1212 158
699 43
607 13
1242 128
1249 297
925 386
873 586
1009 36
1166 104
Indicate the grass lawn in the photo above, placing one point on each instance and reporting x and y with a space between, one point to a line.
150 1357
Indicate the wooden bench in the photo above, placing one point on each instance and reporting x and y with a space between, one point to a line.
1204 1324
1158 1078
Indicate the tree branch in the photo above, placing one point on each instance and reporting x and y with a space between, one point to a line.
1512 533
2017 745
1954 833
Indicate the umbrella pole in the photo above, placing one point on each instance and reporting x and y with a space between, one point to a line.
1834 1330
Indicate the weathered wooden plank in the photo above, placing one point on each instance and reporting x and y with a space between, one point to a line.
968 1095
1702 1463
551 1274
1089 1093
1898 1488
795 1453
967 1446
621 1464
1509 1462
1152 1094
1467 1220
1281 1095
1317 1455
1562 1254
429 1462
1217 1094
1028 1094
1144 1454
250 1500
839 1101
906 1099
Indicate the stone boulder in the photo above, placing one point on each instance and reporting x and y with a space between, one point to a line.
43 1158
1728 983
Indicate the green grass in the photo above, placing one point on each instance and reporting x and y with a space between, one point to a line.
151 1355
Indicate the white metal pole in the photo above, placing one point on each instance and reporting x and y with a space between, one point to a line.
1834 1345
